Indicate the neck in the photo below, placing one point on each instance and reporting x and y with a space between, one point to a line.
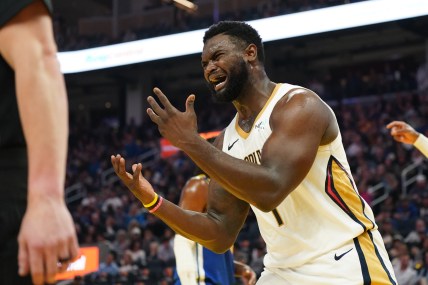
252 101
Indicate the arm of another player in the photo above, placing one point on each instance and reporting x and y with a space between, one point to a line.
193 197
404 133
47 231
184 250
217 229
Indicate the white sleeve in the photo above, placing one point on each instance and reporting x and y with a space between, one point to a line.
185 258
421 144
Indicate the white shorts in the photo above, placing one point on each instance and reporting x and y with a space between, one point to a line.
355 263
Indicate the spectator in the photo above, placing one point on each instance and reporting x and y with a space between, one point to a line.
136 252
108 269
128 268
418 234
404 271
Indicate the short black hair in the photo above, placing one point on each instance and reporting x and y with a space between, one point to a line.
240 31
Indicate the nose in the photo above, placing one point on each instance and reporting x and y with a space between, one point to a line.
210 67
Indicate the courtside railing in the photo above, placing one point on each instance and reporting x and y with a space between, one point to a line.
408 176
78 191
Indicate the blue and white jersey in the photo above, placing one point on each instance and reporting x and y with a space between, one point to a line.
197 265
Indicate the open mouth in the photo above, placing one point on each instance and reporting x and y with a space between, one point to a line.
218 82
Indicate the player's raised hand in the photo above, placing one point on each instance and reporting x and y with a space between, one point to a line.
139 186
176 126
402 132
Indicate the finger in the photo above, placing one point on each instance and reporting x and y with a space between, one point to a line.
137 172
393 131
134 166
121 171
394 124
51 265
253 278
398 138
155 118
190 103
74 249
391 125
163 99
63 253
23 264
62 267
122 166
115 162
37 265
400 132
156 108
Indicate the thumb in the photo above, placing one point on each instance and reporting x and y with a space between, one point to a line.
190 103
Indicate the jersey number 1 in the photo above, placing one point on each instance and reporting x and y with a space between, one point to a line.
277 217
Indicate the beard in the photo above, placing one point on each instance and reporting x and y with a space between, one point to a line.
236 81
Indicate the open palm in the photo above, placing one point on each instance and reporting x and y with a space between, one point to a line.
139 186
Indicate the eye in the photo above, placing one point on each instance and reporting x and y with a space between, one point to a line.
217 56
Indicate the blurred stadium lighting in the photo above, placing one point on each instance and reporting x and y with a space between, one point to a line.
184 4
274 28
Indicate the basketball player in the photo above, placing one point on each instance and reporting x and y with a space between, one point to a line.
404 133
33 148
197 264
282 155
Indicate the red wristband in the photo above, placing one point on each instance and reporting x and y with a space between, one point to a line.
157 205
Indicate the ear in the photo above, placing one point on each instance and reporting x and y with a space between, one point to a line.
251 52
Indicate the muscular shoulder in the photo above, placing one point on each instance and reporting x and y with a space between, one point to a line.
302 109
301 99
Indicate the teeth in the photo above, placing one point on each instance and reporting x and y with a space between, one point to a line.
218 80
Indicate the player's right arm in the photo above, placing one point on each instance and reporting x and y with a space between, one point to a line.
216 229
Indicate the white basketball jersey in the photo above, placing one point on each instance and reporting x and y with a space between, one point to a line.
323 213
